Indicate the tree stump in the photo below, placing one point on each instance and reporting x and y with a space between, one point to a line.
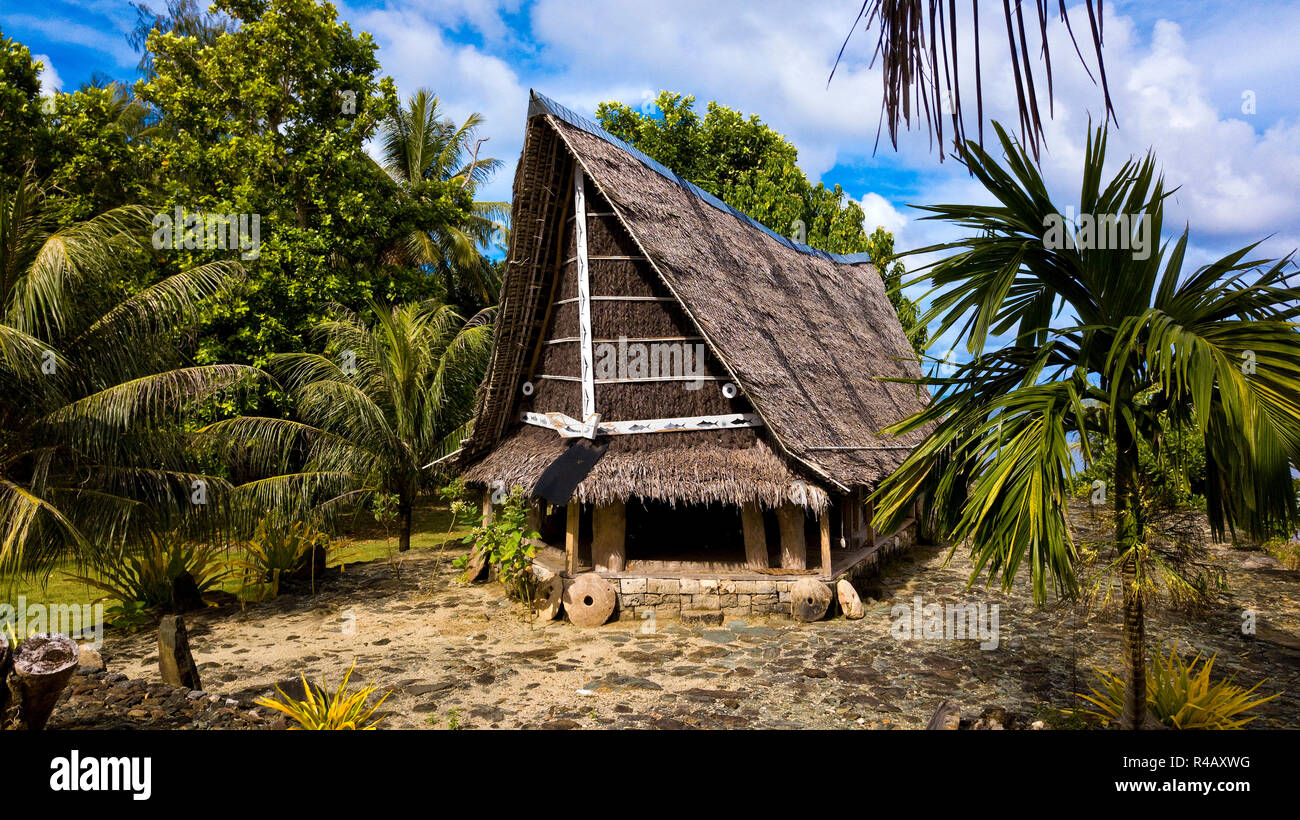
34 679
174 658
809 600
589 600
850 603
550 589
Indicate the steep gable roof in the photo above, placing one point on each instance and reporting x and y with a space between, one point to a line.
805 333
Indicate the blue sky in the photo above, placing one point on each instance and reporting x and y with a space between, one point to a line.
1178 73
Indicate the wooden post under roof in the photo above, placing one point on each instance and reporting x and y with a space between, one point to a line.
794 549
871 522
573 517
826 542
486 507
609 537
751 520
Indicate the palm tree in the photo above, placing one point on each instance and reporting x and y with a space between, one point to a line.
90 452
1142 348
374 410
421 146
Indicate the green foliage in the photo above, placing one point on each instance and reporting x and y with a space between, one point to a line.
143 578
325 710
277 552
1181 696
98 155
373 413
129 616
92 385
22 136
1173 468
456 494
1153 350
1147 350
755 170
508 545
424 151
270 117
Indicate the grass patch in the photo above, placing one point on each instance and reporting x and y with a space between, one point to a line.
365 541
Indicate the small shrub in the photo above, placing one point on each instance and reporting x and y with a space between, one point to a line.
507 543
143 580
277 552
1180 695
322 710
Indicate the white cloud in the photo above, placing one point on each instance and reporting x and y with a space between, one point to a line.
880 212
51 82
1175 87
415 51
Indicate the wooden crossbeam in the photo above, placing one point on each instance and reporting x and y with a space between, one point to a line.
569 427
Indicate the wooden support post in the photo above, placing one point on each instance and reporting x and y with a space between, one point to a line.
751 520
826 542
572 520
609 533
486 507
794 549
536 515
871 523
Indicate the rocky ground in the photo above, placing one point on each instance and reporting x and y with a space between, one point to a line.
457 656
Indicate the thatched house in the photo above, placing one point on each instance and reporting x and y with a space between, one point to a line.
728 373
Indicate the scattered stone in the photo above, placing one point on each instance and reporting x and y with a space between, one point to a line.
994 717
946 717
562 724
89 660
702 617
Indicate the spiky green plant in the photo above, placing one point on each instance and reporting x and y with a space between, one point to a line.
373 413
90 454
1180 695
1105 344
278 551
146 574
323 710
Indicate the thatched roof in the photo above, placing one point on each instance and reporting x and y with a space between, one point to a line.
806 334
704 471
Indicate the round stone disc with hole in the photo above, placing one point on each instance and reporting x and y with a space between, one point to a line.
809 600
589 600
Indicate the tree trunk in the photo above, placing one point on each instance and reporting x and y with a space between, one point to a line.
1128 533
404 521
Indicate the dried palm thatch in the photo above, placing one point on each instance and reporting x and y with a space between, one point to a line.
694 467
920 67
806 335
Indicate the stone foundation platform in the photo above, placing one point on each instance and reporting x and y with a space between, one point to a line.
713 598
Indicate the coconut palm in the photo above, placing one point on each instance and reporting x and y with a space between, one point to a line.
373 411
1105 346
420 145
89 450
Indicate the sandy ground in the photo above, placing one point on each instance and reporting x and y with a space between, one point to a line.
461 656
